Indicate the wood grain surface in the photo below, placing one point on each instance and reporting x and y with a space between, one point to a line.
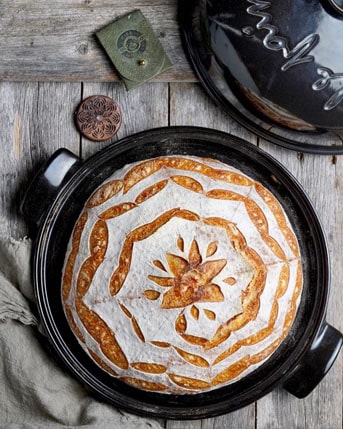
50 61
55 40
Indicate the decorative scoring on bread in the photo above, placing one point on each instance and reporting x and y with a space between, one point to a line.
104 193
182 275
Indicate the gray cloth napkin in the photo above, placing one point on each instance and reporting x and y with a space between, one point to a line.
34 391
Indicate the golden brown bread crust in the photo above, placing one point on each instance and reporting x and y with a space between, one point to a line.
191 280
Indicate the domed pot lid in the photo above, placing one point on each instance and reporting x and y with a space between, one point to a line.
274 66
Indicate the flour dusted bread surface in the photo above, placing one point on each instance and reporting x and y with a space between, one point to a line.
182 275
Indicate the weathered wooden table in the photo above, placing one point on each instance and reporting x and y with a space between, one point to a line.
50 61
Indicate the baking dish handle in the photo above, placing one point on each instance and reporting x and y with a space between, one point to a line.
46 184
316 362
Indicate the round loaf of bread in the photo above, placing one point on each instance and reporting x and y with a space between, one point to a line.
182 275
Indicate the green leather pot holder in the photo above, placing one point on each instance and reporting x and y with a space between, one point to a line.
133 48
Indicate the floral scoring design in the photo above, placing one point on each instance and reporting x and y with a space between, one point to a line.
192 279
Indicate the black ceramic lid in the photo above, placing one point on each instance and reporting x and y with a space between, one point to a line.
275 66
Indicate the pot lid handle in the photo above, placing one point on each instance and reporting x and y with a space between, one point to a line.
45 186
316 362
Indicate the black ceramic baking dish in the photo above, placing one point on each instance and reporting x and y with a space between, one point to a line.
53 203
274 66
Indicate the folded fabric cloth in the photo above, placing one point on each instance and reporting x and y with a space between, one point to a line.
34 391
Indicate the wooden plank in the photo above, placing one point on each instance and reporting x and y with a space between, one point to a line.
183 424
44 40
139 113
16 103
321 177
241 419
36 119
189 105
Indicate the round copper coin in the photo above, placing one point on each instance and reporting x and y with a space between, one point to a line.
98 118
